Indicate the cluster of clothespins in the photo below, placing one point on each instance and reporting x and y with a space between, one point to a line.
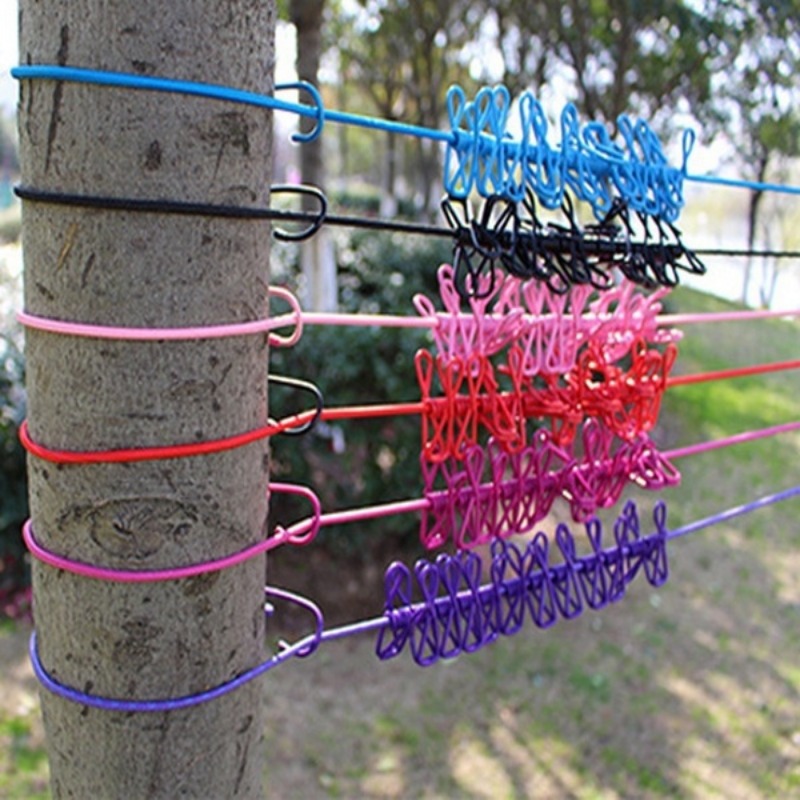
643 248
550 356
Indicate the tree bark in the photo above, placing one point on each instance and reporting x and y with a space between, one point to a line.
153 640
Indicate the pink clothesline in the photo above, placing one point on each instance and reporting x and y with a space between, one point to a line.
400 321
299 318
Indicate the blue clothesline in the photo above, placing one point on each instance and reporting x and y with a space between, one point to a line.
488 159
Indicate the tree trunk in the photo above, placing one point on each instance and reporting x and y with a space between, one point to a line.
769 280
316 254
152 640
752 221
389 204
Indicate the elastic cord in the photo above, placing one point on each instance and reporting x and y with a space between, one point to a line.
229 94
161 206
224 93
421 504
303 647
328 415
300 319
300 532
731 513
132 454
736 372
159 453
738 438
315 220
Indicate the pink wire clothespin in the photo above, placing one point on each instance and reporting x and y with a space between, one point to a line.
459 334
625 314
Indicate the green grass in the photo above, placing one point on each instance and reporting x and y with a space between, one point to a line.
23 764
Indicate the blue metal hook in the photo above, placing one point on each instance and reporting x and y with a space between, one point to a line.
319 114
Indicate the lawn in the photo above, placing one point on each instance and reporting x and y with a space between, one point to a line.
688 691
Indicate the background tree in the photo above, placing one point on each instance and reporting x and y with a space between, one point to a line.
364 48
758 96
154 640
527 42
317 256
9 154
615 55
405 55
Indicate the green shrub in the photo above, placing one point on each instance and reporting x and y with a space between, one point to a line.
14 574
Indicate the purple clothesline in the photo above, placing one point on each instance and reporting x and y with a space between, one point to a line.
311 642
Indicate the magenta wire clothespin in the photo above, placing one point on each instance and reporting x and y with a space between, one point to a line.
650 468
436 519
596 481
509 492
473 501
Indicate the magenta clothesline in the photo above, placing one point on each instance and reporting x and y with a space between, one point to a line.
328 519
281 536
739 438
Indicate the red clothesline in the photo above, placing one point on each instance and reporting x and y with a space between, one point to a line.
126 455
736 372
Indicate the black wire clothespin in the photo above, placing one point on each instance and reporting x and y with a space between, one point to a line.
479 243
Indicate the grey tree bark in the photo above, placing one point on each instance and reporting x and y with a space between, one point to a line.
154 640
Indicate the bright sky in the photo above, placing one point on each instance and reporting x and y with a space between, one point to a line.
8 53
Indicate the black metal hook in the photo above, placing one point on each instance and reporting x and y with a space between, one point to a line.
306 386
319 219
